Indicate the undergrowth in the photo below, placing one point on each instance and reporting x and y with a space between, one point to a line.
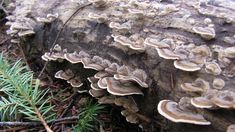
22 99
21 96
88 117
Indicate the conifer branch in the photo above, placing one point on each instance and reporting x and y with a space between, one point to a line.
22 96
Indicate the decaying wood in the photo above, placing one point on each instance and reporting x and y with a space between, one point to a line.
186 28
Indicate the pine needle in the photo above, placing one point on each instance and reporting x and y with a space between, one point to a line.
21 96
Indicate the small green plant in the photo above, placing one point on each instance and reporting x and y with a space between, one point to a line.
21 96
88 116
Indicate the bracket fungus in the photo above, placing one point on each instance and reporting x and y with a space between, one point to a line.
224 99
171 111
75 57
106 100
205 32
202 102
213 68
231 128
101 18
133 45
118 26
75 82
65 75
218 83
199 85
121 89
97 93
186 65
138 76
98 3
127 103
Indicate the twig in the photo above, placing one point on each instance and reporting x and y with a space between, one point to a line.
12 124
58 35
23 55
42 120
13 129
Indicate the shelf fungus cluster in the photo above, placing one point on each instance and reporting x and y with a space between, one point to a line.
111 81
143 52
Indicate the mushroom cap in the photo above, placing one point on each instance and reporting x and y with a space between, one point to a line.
130 116
131 78
102 83
106 100
213 68
48 56
123 40
205 32
136 11
202 102
58 55
98 3
167 54
171 111
92 79
121 89
230 52
112 69
73 57
97 93
75 82
224 99
124 70
95 86
99 17
68 74
218 83
202 51
76 57
119 26
88 63
199 85
127 103
231 128
156 43
25 33
186 65
105 63
102 74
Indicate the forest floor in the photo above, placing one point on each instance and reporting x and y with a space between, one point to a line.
67 101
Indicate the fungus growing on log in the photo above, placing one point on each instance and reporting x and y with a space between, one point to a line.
128 37
75 82
186 66
224 99
97 93
218 83
106 100
121 89
205 32
127 103
171 111
213 68
199 85
74 57
231 128
65 75
137 75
